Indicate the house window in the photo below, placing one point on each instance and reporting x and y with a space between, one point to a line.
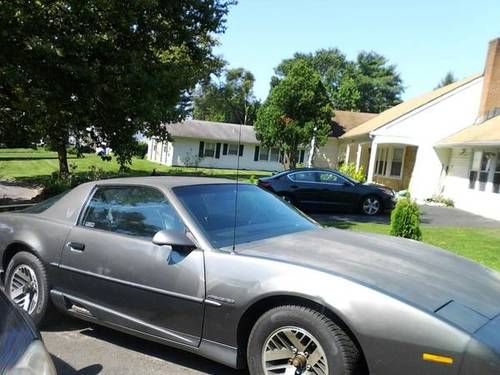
389 162
397 162
209 151
232 149
275 155
486 164
264 154
485 168
496 176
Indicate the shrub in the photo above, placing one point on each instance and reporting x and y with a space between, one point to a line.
350 170
405 220
140 150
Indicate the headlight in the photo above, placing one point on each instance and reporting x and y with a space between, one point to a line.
35 361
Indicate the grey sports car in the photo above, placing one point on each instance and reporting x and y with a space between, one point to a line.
233 273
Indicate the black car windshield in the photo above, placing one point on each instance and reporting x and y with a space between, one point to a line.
259 215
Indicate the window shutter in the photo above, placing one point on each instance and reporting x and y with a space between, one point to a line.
301 159
256 154
202 149
240 153
217 151
224 149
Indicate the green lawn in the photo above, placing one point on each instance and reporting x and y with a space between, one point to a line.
33 165
479 244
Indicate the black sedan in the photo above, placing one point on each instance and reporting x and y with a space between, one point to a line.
325 189
21 347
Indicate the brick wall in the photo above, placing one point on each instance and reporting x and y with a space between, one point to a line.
490 98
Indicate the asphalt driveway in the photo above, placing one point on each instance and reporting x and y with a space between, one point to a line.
431 215
78 347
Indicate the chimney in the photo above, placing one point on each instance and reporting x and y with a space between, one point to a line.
490 98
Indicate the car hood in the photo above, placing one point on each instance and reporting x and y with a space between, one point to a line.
423 275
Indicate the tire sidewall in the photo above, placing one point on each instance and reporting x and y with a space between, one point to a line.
35 264
279 318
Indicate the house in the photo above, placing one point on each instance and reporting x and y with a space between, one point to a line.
215 145
327 156
445 142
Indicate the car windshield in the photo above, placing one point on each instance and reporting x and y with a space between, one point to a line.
259 215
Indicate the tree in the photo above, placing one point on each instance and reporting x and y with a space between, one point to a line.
115 67
368 84
297 110
448 79
380 86
228 100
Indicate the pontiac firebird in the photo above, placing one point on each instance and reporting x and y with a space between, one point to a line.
233 273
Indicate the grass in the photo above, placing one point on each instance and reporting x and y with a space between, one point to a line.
481 245
29 165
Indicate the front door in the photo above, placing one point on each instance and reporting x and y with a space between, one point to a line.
111 269
336 191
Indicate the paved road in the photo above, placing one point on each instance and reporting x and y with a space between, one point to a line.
81 348
431 215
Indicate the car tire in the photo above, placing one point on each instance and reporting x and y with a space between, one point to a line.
371 205
26 267
276 331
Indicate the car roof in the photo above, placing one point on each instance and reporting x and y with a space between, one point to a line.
164 181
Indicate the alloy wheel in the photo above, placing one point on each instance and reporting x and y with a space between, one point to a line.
23 288
293 351
371 206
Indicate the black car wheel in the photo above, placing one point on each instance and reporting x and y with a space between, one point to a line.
26 284
299 340
371 205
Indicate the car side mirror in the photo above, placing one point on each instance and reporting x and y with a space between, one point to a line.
172 238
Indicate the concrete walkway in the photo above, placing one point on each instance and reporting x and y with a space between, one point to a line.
431 215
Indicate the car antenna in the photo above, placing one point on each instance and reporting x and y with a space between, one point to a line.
237 188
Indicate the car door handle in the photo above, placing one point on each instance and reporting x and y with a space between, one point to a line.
76 246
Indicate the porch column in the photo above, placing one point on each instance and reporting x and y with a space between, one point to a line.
358 156
347 152
371 165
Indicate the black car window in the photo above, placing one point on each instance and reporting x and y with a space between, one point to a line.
307 176
132 210
328 177
259 214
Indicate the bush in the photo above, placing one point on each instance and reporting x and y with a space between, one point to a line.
350 170
140 150
405 220
56 184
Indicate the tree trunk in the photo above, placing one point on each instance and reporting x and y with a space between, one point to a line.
292 159
62 155
311 152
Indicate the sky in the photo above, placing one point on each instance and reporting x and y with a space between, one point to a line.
425 39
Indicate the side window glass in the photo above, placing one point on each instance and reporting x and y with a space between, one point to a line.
330 178
132 210
303 177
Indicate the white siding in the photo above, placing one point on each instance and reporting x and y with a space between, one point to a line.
426 126
327 155
456 187
183 151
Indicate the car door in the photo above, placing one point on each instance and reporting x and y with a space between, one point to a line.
113 272
336 191
304 189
